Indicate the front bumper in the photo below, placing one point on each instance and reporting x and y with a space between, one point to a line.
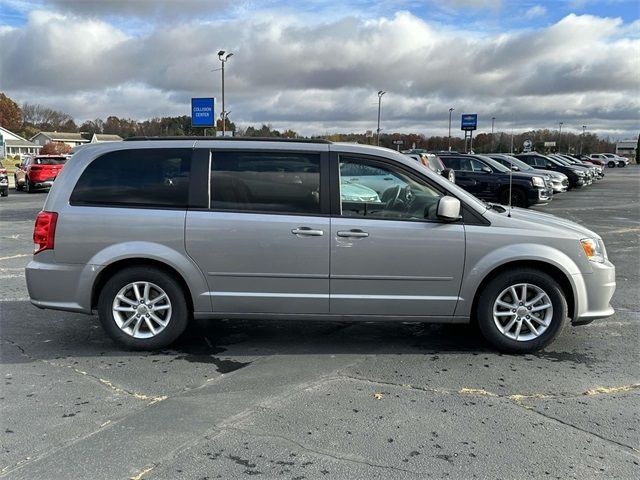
593 301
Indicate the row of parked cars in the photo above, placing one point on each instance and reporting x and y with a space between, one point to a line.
519 180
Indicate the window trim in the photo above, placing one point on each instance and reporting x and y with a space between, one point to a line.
324 182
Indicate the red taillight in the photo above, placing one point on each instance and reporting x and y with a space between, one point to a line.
44 231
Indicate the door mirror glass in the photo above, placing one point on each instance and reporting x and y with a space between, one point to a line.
449 208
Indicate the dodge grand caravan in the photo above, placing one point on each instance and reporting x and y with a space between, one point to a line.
154 232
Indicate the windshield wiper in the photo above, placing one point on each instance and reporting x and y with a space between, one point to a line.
497 207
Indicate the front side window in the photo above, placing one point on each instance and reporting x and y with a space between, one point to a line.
137 177
372 190
269 182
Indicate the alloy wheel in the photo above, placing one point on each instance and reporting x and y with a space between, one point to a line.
141 309
522 312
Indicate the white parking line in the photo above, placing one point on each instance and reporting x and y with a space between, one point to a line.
21 255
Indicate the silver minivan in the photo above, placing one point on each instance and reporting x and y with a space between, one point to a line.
153 232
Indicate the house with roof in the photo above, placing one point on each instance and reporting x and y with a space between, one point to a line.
74 139
71 139
12 144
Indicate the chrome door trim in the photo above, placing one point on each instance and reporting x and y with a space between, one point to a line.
323 295
268 275
392 277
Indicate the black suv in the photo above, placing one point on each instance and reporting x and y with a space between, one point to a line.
489 180
576 175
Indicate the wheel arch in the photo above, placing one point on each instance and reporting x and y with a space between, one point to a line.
119 265
553 271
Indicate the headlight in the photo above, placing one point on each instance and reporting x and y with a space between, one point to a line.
579 173
538 181
594 249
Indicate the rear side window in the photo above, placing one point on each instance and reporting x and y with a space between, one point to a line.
138 178
50 160
266 182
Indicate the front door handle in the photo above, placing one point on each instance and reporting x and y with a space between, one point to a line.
352 234
307 232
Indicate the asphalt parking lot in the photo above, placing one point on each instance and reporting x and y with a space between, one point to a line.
296 400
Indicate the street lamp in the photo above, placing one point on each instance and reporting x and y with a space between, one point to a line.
380 94
450 110
223 56
493 120
584 128
560 135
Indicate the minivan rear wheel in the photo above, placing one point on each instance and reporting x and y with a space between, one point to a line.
143 308
521 311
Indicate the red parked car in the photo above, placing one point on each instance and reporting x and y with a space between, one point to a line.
38 171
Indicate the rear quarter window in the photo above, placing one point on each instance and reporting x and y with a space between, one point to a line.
136 178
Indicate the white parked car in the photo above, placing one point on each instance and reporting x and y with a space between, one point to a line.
611 159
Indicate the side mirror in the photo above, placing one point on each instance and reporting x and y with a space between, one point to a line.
448 209
515 168
486 169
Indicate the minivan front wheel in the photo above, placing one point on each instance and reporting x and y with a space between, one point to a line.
143 308
521 311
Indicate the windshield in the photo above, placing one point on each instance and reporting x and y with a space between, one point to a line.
561 161
495 165
517 162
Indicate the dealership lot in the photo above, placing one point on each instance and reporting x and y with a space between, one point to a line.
323 400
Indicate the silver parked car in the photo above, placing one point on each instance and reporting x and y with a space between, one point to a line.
151 233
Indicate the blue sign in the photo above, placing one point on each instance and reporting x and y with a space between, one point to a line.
202 113
469 121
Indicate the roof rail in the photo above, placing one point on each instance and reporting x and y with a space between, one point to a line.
243 139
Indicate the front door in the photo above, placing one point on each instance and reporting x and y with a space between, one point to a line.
390 255
264 242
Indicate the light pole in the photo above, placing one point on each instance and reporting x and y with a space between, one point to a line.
584 128
450 110
493 121
380 94
223 56
560 135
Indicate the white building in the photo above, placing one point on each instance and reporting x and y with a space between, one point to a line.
627 148
12 144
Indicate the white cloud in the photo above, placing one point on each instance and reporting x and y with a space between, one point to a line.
317 77
535 12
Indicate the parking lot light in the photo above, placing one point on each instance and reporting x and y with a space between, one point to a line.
450 110
223 56
380 94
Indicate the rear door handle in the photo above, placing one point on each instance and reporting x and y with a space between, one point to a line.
307 232
352 234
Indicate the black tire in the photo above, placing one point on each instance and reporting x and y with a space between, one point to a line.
611 164
28 186
179 310
484 310
4 192
18 186
518 198
622 164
